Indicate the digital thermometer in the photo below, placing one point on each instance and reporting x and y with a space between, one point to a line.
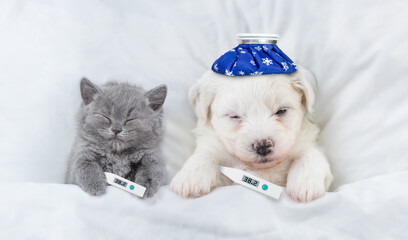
250 181
125 184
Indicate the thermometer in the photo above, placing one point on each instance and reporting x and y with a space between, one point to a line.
125 184
250 181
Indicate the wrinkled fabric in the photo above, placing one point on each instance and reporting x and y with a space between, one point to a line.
356 49
374 208
254 59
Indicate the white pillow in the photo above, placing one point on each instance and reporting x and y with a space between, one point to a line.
356 49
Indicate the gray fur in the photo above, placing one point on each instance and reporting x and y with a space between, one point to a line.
136 117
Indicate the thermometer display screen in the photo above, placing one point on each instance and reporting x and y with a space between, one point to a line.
251 181
120 182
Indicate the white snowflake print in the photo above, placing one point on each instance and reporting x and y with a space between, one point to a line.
293 64
240 48
267 61
285 66
253 54
256 73
264 48
243 52
228 73
216 67
232 50
252 62
258 48
235 64
241 73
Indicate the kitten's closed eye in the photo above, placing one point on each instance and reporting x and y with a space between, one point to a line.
130 120
103 118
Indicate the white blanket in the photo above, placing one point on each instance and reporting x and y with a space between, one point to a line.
357 49
374 208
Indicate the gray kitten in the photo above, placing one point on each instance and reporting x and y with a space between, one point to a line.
119 131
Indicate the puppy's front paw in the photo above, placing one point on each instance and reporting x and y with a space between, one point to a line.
194 182
305 189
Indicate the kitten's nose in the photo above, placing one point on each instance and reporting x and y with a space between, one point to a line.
263 146
116 130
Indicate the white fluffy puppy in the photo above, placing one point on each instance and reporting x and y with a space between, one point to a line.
260 124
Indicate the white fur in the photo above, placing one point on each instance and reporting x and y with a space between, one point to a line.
234 113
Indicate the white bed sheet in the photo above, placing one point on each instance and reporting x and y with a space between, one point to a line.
357 49
375 208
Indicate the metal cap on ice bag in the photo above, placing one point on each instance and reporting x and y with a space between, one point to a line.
257 38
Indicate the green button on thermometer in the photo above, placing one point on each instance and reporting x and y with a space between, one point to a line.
125 184
253 182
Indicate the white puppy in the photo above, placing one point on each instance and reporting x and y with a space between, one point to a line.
260 124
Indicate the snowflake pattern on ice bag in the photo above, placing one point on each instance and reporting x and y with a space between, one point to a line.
254 59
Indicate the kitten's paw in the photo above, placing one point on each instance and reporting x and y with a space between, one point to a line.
149 193
151 185
97 191
305 189
94 187
194 182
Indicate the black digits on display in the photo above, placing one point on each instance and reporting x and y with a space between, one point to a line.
120 182
251 181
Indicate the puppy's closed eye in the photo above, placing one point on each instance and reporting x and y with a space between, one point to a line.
281 112
235 117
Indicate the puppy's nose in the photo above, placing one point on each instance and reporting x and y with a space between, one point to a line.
263 147
116 130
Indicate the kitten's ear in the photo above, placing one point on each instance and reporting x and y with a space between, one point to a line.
156 97
88 90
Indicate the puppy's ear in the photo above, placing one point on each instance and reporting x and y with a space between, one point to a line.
201 96
88 90
305 82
